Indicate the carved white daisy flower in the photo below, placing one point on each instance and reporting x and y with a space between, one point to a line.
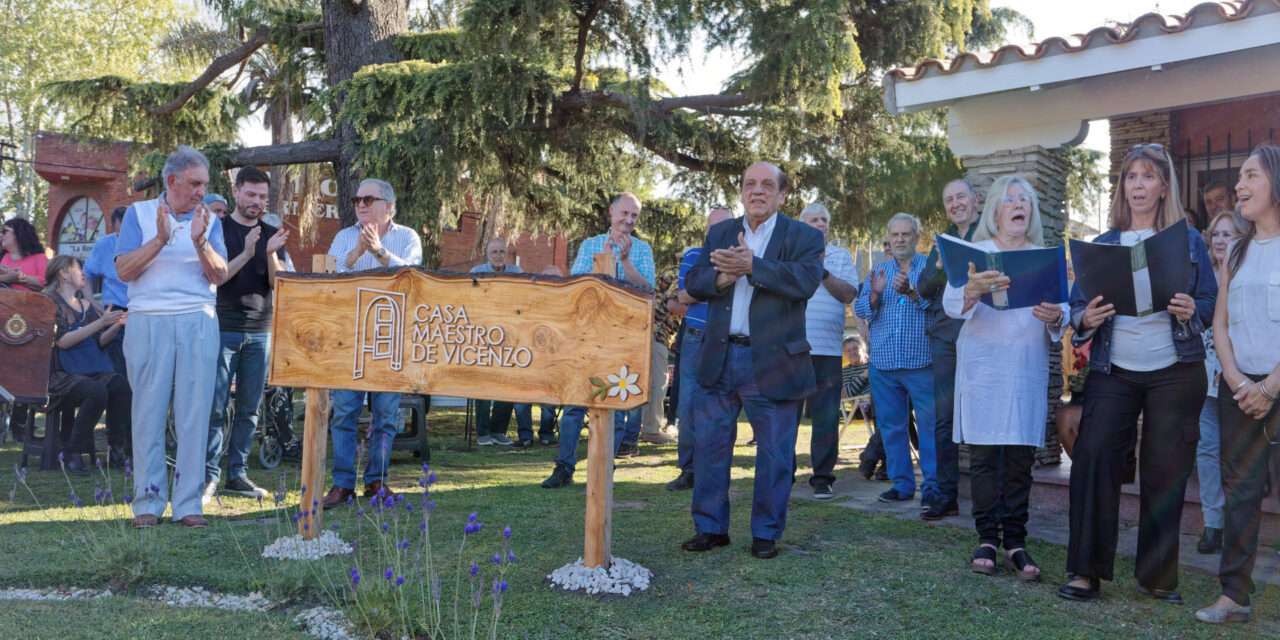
623 384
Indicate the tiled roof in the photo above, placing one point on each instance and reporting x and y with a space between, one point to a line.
1207 13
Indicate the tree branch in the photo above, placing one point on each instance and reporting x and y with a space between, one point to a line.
293 153
261 36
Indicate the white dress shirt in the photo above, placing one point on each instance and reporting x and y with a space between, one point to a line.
757 241
403 246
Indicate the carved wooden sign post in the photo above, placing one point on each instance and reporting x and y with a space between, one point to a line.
581 341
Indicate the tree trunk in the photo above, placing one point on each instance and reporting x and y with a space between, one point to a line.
281 133
357 33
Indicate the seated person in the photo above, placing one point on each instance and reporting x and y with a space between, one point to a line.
82 373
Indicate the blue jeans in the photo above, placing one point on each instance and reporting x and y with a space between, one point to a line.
1209 465
524 421
382 430
890 392
715 420
571 432
243 358
944 397
687 379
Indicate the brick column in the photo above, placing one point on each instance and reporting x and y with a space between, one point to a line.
1127 131
1046 169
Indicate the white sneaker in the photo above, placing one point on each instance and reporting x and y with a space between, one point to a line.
484 441
210 489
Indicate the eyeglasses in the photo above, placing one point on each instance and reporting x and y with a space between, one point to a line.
1015 200
1153 145
366 200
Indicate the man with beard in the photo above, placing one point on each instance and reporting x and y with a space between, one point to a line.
962 210
244 323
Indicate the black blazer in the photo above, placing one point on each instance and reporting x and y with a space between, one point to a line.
784 280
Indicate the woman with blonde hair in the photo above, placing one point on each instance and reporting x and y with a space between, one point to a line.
1223 229
82 373
1002 370
1246 327
1151 365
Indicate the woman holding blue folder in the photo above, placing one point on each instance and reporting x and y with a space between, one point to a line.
1002 370
1150 365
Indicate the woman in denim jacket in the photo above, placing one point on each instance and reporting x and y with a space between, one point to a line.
1150 366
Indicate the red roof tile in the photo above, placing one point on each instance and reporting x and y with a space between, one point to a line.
1150 23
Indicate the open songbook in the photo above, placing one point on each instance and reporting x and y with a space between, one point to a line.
1036 275
1139 280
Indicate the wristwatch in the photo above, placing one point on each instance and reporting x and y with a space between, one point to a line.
380 253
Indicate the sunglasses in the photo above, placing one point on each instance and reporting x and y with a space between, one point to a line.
366 200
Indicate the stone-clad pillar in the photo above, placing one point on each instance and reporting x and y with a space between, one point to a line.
1046 169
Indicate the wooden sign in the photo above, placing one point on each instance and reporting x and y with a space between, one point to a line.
582 341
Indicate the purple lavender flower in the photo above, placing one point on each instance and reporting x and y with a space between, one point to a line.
426 468
355 576
360 512
475 569
422 526
304 488
431 478
473 517
399 581
499 585
506 533
351 498
128 499
497 559
386 526
511 557
473 528
388 574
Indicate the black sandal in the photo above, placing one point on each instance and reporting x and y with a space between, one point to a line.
984 552
1020 560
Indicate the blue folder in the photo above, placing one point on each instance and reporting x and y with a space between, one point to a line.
1036 275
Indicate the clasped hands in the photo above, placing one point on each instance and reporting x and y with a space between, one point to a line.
734 262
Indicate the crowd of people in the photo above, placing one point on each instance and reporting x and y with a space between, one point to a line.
753 320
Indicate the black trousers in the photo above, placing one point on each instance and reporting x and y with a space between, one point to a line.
89 397
1246 451
1169 400
824 408
1000 482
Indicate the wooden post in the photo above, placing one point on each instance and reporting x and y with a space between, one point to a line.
599 526
315 439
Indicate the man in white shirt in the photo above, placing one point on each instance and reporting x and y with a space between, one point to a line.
374 242
824 328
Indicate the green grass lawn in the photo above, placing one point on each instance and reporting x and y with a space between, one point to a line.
841 574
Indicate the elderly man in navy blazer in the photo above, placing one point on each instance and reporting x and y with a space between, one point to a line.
756 274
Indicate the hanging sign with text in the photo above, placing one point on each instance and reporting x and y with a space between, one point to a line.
580 341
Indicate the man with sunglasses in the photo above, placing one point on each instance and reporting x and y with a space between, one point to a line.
374 242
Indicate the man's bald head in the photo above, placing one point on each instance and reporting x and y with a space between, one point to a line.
495 251
624 213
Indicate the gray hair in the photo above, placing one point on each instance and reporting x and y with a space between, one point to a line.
987 227
964 181
385 191
180 160
899 217
814 209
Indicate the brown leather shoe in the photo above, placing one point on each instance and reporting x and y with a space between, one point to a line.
372 489
145 521
193 522
336 496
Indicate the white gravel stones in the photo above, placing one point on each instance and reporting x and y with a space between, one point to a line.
201 597
54 594
325 623
295 548
622 578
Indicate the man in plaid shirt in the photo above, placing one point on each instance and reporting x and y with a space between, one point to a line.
901 377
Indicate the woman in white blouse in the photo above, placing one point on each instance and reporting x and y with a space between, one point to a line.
1246 330
1002 371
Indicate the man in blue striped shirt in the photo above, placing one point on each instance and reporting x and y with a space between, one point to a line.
690 343
901 377
633 262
